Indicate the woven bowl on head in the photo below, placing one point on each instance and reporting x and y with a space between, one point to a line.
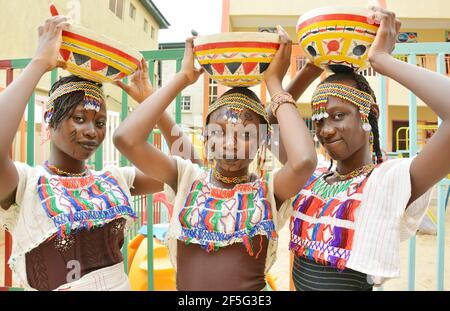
236 58
336 36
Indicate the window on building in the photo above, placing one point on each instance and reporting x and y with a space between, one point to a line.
112 5
185 103
152 33
145 25
159 78
212 90
132 11
116 6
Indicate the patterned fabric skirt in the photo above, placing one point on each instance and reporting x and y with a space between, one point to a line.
311 276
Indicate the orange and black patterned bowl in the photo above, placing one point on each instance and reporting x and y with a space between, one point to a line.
236 58
95 57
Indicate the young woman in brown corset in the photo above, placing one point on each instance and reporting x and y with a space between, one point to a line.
68 222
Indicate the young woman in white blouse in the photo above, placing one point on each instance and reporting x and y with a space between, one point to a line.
348 220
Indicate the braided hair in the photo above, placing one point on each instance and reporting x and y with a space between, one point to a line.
363 85
65 104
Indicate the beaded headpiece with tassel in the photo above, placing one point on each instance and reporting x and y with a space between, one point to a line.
236 102
93 96
360 99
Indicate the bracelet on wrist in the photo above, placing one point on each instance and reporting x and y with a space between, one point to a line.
281 99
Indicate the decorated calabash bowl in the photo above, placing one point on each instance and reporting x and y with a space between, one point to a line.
236 58
95 57
336 36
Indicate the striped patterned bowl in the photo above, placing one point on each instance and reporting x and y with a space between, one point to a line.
336 36
236 58
95 57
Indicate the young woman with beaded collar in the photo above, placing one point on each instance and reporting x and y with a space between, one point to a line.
223 232
67 221
348 221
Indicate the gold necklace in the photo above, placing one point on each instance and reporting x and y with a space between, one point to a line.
356 172
229 180
58 171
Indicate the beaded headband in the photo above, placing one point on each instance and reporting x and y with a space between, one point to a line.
93 96
360 99
237 102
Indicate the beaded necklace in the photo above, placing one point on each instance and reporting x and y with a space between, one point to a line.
229 180
60 172
356 172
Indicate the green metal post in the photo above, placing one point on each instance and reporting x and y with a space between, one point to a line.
178 100
442 186
440 264
412 153
30 130
124 113
53 76
124 162
151 71
99 158
150 265
53 79
383 112
383 123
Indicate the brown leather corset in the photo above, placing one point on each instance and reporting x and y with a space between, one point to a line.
58 261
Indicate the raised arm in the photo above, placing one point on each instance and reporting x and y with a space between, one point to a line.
301 155
140 89
296 88
433 162
131 136
14 99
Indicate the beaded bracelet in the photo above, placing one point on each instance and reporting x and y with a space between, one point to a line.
280 99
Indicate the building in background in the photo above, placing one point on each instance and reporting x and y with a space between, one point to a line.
191 97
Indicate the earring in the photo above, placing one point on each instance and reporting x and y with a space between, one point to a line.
371 138
366 127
